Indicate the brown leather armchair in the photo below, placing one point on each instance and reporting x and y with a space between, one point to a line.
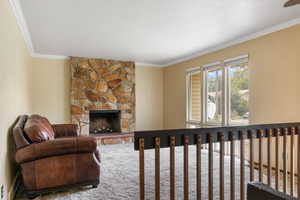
53 157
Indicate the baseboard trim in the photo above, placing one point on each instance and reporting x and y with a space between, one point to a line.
14 186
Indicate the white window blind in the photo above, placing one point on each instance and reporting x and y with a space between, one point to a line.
194 83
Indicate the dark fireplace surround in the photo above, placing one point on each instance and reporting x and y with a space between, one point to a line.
105 121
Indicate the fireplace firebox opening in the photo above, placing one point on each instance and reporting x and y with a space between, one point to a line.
105 121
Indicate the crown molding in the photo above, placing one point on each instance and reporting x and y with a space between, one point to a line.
37 55
15 4
141 64
237 41
16 8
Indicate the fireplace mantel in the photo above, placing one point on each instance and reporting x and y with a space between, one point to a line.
98 84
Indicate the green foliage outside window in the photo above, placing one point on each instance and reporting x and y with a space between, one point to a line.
239 92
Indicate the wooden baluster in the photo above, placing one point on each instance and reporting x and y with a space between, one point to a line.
242 169
298 162
222 166
260 133
172 167
142 168
157 168
251 157
186 167
270 133
232 166
199 167
277 159
285 132
292 161
210 167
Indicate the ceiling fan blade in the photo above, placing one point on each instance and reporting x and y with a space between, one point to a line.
291 3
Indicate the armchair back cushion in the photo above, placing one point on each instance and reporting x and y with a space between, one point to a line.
38 129
47 125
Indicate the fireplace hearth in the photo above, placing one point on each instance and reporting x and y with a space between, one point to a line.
105 121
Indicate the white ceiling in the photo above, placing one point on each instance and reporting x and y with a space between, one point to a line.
155 32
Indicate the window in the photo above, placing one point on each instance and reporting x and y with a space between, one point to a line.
218 94
214 96
238 89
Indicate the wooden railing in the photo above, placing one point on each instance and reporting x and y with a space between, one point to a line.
253 134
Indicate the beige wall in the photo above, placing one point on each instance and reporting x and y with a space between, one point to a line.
174 97
149 98
15 95
274 78
50 86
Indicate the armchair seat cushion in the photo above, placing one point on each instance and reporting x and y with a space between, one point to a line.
60 146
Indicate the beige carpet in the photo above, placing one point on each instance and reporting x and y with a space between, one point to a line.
119 176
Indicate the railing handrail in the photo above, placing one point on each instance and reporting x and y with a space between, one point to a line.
212 134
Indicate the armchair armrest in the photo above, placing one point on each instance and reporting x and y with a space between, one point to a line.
65 130
56 147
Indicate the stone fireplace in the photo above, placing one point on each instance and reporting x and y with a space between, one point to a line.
105 121
99 86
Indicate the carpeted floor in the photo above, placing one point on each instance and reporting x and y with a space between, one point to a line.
120 176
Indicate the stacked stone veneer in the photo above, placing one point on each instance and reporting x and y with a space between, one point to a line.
102 85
